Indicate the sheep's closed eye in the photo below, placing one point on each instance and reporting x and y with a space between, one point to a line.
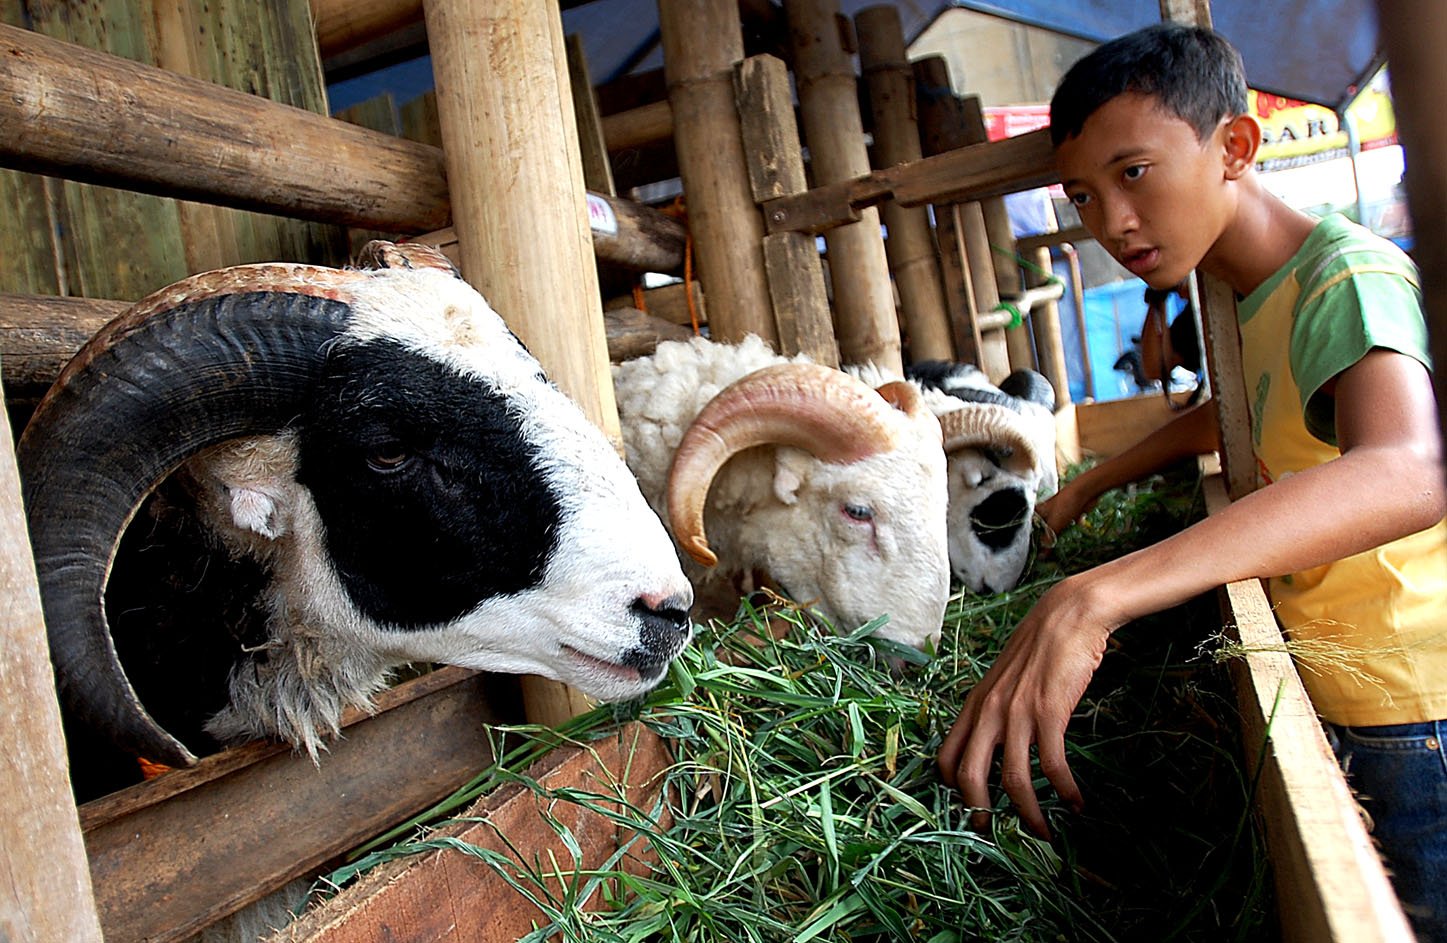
388 457
859 512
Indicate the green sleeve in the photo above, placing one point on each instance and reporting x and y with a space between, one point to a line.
1377 305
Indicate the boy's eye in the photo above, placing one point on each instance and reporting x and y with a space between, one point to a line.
1134 172
1079 199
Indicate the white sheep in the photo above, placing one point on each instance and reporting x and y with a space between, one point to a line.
1000 444
833 490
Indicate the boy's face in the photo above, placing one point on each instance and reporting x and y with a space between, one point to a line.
1150 192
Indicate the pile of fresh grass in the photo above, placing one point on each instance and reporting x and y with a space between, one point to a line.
804 803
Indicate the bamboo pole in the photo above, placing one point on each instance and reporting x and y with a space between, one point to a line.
1001 241
910 247
960 227
702 43
865 321
75 113
502 83
45 891
1045 322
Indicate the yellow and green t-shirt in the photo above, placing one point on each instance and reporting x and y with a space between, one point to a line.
1345 292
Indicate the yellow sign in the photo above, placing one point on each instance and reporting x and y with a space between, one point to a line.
1295 133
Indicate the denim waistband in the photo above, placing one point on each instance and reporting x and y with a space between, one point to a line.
1426 728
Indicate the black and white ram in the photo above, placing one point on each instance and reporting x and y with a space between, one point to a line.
369 470
1000 444
830 489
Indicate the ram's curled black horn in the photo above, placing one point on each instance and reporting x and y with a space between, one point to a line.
219 355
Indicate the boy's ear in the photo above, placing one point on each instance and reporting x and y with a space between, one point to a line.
1242 141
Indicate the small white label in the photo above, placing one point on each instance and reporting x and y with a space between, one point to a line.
601 217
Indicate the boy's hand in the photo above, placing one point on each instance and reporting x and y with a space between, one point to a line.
1064 508
1026 698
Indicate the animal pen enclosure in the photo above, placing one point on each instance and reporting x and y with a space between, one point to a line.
136 100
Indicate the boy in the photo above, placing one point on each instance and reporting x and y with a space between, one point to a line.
1154 147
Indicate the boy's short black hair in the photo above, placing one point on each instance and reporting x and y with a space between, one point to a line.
1195 74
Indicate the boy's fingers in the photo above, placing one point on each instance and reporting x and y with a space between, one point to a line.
1057 769
1019 785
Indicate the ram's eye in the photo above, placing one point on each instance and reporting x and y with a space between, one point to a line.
388 457
859 512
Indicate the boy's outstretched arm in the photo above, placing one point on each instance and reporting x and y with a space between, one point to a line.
1192 432
1386 484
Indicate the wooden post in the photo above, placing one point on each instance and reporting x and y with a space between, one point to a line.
1223 333
958 227
46 885
702 42
1415 35
865 321
909 245
776 168
597 173
523 236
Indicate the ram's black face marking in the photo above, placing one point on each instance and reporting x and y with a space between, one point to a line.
429 494
997 519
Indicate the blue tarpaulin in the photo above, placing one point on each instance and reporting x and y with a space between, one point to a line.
1317 51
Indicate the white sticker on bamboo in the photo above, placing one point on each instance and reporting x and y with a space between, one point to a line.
601 217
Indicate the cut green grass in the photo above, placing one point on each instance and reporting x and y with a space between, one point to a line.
804 801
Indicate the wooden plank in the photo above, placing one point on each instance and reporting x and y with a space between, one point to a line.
1217 304
445 896
796 286
1107 427
776 168
45 888
646 124
172 855
1330 882
344 25
597 172
75 113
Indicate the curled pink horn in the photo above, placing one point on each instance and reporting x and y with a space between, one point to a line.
818 409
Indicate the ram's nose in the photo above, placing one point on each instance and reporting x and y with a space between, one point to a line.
664 628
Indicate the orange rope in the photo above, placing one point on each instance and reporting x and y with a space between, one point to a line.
150 770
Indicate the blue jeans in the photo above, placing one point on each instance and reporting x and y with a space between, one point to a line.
1399 774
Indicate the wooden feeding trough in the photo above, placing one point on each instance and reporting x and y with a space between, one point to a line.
164 859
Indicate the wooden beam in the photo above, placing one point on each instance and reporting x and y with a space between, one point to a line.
1330 882
344 25
446 896
45 890
963 174
181 851
71 112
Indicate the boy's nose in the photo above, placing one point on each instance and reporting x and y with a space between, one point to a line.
1118 218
